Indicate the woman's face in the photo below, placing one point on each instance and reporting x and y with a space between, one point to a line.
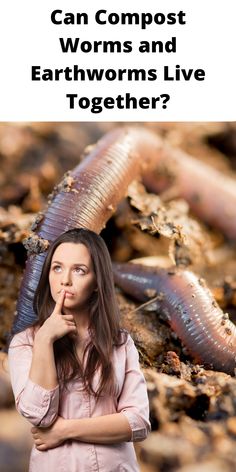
72 270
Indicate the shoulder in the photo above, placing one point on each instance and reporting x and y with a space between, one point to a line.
23 338
124 338
126 343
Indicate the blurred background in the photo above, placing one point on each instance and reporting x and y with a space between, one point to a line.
199 417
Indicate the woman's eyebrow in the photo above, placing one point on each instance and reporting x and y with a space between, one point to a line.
75 264
80 264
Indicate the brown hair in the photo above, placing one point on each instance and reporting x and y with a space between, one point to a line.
104 322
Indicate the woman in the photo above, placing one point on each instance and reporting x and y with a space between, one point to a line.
75 373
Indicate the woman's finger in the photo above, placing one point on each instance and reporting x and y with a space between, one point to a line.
42 447
59 302
38 442
68 317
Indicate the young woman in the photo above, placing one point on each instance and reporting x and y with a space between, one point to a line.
75 373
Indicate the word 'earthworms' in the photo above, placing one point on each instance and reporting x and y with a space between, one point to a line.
88 196
189 308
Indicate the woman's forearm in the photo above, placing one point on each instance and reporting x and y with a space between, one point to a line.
43 369
107 429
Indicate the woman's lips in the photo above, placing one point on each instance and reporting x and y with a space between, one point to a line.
69 294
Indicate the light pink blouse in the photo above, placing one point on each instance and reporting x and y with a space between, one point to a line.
41 407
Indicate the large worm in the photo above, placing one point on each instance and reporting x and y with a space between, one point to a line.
211 195
88 196
190 309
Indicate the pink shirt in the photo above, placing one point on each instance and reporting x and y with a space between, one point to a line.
41 407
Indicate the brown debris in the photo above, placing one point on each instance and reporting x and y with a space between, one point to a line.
6 395
35 245
179 411
14 225
39 218
225 292
150 337
67 183
188 241
10 277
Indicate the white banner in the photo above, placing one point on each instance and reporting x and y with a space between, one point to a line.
117 61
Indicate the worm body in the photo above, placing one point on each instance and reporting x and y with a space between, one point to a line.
211 195
190 309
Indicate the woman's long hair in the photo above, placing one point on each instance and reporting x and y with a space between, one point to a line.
104 319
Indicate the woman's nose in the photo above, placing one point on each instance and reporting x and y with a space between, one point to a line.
66 280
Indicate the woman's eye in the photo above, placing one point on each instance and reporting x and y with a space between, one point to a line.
56 268
79 270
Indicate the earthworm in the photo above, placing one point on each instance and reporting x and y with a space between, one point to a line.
188 306
88 196
210 195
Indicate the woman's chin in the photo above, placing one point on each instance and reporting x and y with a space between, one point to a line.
68 302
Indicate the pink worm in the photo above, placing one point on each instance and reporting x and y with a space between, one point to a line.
211 195
190 309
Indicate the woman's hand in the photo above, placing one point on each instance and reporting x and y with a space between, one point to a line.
48 438
57 325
